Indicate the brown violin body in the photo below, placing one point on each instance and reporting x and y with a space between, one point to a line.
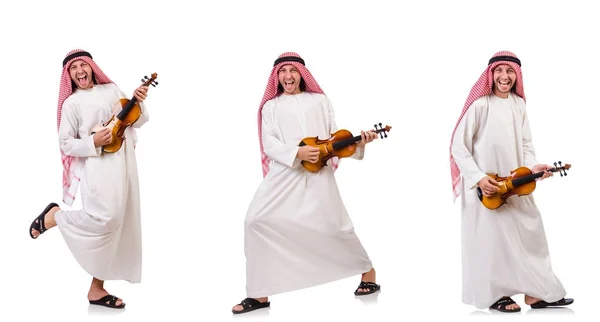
118 123
521 182
341 144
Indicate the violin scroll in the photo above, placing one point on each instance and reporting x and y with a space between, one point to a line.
561 169
382 131
150 81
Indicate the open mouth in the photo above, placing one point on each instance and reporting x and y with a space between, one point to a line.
82 79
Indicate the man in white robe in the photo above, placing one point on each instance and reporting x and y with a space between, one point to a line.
105 235
297 231
504 250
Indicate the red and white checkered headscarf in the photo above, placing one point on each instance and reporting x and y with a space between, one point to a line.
483 87
287 58
72 165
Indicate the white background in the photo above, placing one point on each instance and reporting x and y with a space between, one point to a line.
410 66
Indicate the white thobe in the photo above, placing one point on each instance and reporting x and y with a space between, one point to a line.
297 231
105 235
504 250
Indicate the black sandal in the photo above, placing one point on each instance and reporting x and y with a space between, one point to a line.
544 304
38 223
109 301
502 303
249 304
370 286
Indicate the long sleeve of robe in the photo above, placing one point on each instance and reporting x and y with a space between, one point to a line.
462 150
529 158
275 148
504 251
297 230
105 235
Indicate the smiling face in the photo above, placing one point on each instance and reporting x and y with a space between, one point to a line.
81 74
504 80
290 79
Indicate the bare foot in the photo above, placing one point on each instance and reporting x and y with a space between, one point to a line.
531 300
239 307
49 222
369 276
97 292
511 307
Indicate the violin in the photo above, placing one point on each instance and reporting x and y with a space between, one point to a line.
521 182
128 115
341 144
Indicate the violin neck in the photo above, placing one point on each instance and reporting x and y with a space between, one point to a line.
121 116
346 142
349 141
527 179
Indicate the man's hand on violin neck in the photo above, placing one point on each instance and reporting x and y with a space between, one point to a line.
367 137
541 168
141 93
